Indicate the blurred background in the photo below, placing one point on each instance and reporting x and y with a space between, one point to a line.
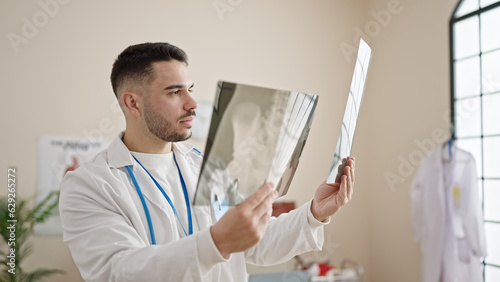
56 59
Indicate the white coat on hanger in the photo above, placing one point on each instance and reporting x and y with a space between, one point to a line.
447 218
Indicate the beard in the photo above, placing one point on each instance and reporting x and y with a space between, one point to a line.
162 128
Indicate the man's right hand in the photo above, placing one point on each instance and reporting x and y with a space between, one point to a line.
244 225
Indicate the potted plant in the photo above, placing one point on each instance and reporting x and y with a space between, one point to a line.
16 226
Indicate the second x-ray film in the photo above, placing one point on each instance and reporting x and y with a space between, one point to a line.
256 136
346 137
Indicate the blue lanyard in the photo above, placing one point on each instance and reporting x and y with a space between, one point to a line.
145 206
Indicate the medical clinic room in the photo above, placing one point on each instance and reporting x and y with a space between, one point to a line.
259 141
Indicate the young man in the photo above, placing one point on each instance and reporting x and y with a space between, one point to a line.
127 214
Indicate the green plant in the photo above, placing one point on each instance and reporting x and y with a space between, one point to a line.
26 218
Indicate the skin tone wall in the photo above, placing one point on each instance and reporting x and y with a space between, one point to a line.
56 82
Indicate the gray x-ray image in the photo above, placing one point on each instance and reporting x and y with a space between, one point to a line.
346 137
256 136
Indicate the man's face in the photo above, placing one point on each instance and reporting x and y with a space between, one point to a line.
169 106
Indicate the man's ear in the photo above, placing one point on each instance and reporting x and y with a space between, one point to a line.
132 102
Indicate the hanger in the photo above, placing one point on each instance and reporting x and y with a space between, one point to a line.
450 151
447 155
449 143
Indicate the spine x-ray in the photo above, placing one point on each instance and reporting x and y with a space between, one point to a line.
256 136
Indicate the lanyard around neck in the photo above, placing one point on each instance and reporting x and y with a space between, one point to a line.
145 206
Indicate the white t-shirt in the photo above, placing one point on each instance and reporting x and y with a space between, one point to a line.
163 168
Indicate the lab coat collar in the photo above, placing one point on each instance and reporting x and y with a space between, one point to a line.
437 157
182 148
437 162
119 155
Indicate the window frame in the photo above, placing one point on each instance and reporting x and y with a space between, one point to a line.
453 20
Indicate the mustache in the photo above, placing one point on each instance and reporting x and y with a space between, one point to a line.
188 114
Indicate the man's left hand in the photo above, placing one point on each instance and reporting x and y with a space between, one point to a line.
329 198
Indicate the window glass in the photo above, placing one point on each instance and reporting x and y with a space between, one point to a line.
467 82
466 38
492 273
492 231
485 3
490 23
491 197
466 7
491 71
491 157
491 114
472 146
480 190
468 117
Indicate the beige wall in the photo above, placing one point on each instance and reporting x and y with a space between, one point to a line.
58 84
407 97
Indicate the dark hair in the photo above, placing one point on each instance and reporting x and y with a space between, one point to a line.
135 62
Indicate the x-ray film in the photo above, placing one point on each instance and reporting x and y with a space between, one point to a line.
256 136
346 137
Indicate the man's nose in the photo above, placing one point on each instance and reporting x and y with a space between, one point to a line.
190 103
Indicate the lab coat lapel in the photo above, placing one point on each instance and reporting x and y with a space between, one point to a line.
189 162
439 173
471 209
434 216
150 191
189 165
119 157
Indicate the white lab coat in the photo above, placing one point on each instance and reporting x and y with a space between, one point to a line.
447 218
105 226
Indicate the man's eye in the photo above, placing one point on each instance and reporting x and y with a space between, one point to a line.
191 90
176 92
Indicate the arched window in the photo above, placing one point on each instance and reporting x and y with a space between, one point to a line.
475 102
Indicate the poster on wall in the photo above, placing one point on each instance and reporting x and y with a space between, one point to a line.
56 157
